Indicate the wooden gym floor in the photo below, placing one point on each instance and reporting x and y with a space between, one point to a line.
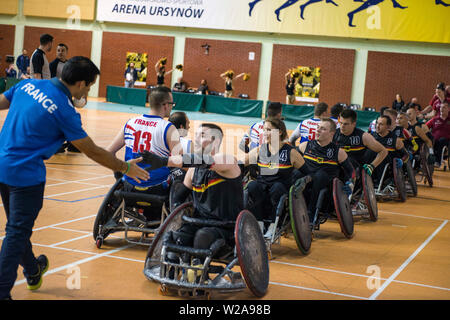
404 255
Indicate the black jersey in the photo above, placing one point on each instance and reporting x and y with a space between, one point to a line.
228 85
389 141
276 167
404 136
216 197
160 79
290 88
318 157
352 144
412 130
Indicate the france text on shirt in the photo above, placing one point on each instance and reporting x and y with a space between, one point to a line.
40 97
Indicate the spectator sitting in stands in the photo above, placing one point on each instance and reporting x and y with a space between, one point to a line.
203 89
398 103
10 71
180 85
413 103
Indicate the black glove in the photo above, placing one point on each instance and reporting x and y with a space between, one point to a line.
153 160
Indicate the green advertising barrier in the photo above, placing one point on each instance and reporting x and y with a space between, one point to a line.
2 85
130 96
11 82
189 102
299 113
234 107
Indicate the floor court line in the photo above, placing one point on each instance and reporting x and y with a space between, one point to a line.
68 170
317 290
359 275
405 264
411 215
78 262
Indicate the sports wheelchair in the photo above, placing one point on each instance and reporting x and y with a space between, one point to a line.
363 199
123 211
423 170
291 216
392 183
445 156
188 277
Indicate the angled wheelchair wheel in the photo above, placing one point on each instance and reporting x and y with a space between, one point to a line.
399 182
252 253
343 209
424 166
369 196
172 222
411 178
105 212
298 213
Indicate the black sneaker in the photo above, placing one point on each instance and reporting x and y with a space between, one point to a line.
35 282
62 149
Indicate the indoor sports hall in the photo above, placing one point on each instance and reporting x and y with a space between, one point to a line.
357 59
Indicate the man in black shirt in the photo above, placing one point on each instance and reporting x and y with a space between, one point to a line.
57 65
39 66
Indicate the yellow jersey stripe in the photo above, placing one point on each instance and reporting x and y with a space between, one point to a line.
320 160
203 187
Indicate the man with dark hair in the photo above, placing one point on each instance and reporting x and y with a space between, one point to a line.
150 132
41 116
215 182
356 142
131 75
253 138
335 112
22 63
57 65
323 159
39 66
392 144
306 130
373 124
181 121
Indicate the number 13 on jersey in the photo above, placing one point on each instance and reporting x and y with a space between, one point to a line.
142 141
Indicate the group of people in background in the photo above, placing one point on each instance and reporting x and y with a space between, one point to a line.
131 76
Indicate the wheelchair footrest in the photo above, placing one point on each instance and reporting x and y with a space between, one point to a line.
202 253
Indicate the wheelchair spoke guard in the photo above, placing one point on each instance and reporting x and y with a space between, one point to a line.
369 196
252 253
299 220
343 209
106 210
172 222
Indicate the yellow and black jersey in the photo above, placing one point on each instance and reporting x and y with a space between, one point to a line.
352 144
216 197
318 157
275 167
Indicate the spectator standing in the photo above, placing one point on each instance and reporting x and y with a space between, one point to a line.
130 75
22 63
398 103
57 65
440 129
39 66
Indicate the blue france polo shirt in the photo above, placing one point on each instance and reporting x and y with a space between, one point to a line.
40 118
